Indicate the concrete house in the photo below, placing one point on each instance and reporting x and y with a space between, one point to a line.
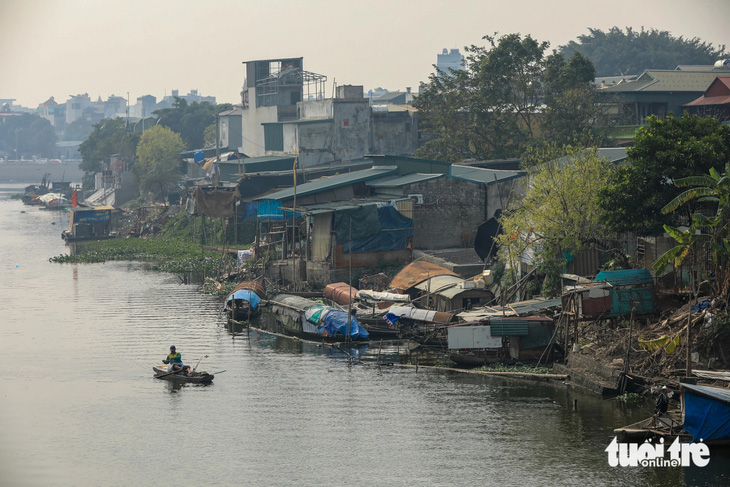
393 208
285 112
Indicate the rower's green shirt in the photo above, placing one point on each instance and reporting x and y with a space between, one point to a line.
173 358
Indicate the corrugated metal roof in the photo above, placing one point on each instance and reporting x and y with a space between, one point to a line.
403 180
612 154
331 182
521 308
329 207
483 176
667 80
416 272
439 284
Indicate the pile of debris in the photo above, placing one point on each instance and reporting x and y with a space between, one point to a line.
658 350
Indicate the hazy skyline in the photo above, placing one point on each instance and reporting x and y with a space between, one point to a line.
138 47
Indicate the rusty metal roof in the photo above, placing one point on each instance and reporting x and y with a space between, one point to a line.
416 272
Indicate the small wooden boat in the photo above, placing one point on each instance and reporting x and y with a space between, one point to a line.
242 303
197 377
667 426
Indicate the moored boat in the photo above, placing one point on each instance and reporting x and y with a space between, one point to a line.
161 372
302 317
243 303
707 413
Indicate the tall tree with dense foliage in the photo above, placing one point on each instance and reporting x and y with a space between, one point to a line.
487 110
109 137
190 120
631 52
27 135
158 161
493 108
558 213
663 151
571 113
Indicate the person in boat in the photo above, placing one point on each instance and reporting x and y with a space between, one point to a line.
175 360
662 402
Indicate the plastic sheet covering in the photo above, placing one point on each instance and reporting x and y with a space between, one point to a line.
394 232
707 412
316 313
366 295
246 295
365 221
216 204
661 342
336 321
416 313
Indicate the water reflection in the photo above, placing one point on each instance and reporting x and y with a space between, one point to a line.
80 340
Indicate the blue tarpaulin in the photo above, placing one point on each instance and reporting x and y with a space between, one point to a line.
706 412
336 321
246 295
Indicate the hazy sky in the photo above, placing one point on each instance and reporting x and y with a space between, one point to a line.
102 47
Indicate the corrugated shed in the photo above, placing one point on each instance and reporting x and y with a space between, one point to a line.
627 277
417 272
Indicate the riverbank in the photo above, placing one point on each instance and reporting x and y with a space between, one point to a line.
612 356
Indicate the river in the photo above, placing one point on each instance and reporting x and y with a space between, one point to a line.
79 405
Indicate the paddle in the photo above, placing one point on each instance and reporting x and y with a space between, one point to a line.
169 373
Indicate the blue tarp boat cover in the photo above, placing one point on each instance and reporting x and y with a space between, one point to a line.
330 321
336 321
246 295
706 412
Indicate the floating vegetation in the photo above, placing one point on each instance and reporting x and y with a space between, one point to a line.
629 397
521 368
176 256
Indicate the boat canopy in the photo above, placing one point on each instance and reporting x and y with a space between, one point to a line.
246 295
706 412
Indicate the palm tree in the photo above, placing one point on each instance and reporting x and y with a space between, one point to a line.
713 188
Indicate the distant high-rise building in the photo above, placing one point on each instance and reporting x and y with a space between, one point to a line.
449 60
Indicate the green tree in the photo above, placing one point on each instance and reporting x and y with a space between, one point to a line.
158 161
631 52
27 135
558 213
571 111
78 130
487 110
109 137
663 151
714 190
190 120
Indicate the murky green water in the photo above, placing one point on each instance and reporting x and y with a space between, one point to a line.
79 406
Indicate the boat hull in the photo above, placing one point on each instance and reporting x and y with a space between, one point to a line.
161 372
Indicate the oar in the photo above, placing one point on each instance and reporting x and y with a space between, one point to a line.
219 372
169 373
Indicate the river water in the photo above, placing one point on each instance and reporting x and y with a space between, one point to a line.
79 406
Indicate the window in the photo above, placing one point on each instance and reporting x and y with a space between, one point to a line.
274 136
